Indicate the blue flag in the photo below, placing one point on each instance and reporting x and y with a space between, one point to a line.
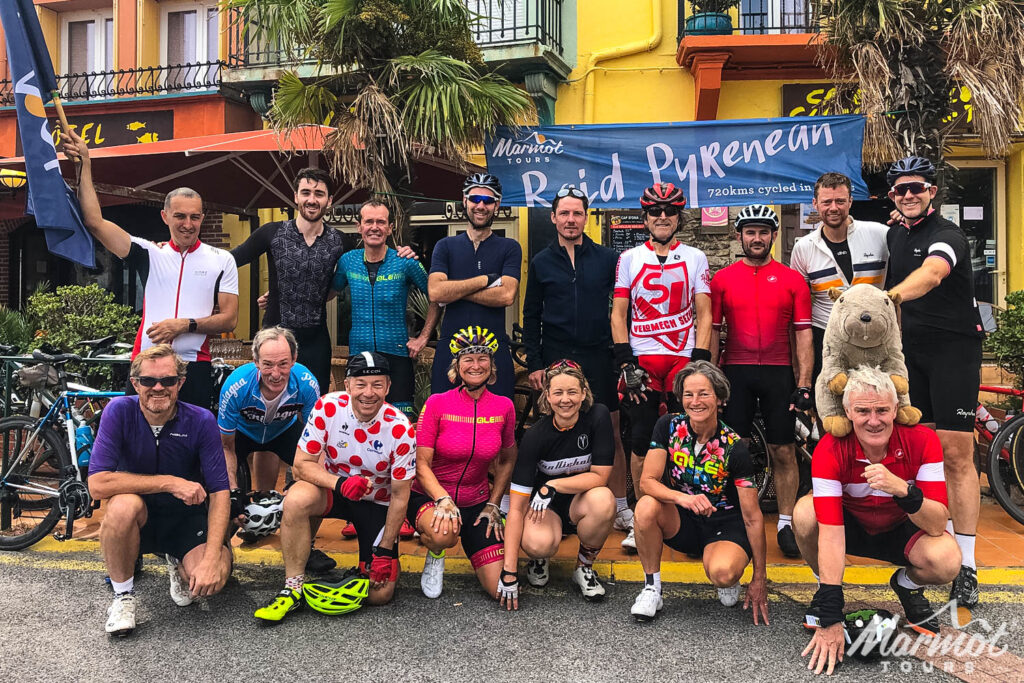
50 200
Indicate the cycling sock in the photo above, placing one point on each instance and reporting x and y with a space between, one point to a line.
506 501
586 556
437 555
123 586
653 580
294 582
966 543
905 581
621 504
784 521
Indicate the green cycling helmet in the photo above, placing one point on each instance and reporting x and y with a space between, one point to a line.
332 595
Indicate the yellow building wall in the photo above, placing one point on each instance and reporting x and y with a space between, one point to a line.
149 33
1015 221
49 25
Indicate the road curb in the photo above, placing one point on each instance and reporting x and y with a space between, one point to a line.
619 570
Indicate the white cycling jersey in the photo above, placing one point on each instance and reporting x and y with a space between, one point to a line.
662 297
380 450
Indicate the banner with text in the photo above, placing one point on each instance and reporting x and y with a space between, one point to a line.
716 163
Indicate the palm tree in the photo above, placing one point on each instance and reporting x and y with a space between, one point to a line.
907 57
398 78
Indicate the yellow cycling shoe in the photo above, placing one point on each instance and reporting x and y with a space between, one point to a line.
285 602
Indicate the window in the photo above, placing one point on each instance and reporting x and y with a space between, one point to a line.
87 54
190 44
775 16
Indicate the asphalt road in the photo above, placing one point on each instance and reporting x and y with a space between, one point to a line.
52 630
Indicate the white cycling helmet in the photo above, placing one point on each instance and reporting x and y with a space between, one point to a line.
263 514
757 214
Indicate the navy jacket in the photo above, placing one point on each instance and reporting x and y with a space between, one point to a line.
565 307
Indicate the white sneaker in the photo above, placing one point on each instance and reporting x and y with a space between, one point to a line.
629 542
647 604
121 615
585 579
729 596
537 573
623 520
179 591
432 578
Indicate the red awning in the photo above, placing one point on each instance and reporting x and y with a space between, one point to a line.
237 172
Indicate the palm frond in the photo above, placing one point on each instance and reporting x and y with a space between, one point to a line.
297 103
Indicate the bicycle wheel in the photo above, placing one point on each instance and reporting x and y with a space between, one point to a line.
29 507
762 458
1006 468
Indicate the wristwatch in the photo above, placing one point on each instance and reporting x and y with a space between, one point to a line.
192 325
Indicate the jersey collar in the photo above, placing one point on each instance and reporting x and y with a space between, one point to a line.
190 249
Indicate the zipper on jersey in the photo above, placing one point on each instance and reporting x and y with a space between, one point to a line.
373 307
472 452
757 307
181 273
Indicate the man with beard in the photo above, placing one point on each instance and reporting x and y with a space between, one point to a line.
760 300
842 252
475 276
301 257
930 270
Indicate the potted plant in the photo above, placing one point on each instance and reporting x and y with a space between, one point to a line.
710 17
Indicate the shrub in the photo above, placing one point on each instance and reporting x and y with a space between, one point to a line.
1007 342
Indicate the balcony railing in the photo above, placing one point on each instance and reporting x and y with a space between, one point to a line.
517 22
761 17
156 80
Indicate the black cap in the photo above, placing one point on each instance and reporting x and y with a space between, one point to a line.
366 364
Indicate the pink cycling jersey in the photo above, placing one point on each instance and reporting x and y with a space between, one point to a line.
466 436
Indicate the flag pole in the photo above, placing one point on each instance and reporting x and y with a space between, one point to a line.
65 131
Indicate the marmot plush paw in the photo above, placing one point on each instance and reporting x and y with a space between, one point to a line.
838 384
902 387
908 415
837 425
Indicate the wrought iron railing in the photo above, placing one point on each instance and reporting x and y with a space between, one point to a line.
246 49
516 22
153 80
761 17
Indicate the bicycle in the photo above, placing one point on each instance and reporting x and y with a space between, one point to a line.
39 482
1003 459
524 397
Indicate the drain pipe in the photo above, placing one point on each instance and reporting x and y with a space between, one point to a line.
616 52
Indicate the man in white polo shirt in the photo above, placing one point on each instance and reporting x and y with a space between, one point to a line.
191 288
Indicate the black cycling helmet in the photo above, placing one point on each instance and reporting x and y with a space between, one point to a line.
482 180
366 364
663 194
757 214
911 166
868 632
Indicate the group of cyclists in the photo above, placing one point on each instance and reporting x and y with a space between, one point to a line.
638 331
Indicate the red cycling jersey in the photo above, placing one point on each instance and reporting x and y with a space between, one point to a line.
759 304
837 473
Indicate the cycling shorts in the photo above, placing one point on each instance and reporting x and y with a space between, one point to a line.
172 527
598 367
403 383
481 549
891 546
644 415
771 387
944 375
283 445
198 386
696 532
368 518
818 340
662 370
315 353
560 504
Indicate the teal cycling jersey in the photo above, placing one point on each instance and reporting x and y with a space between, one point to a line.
378 306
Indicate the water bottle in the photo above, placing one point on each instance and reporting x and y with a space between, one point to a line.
83 444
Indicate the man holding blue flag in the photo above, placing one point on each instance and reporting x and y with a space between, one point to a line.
49 198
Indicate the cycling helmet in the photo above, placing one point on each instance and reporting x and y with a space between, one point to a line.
263 514
911 166
366 364
759 214
868 631
663 194
473 339
337 595
482 180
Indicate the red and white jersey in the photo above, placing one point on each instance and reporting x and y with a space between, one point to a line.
180 284
380 450
837 473
661 297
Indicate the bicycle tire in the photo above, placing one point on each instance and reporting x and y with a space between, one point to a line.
1006 475
19 530
243 476
762 458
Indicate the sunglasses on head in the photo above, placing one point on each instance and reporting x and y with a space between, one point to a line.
484 199
570 192
662 210
168 381
563 363
913 187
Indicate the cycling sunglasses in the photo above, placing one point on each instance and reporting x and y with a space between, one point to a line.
563 363
169 381
570 192
484 199
662 210
913 187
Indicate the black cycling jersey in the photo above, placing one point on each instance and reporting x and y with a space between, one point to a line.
950 307
841 252
547 452
300 274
